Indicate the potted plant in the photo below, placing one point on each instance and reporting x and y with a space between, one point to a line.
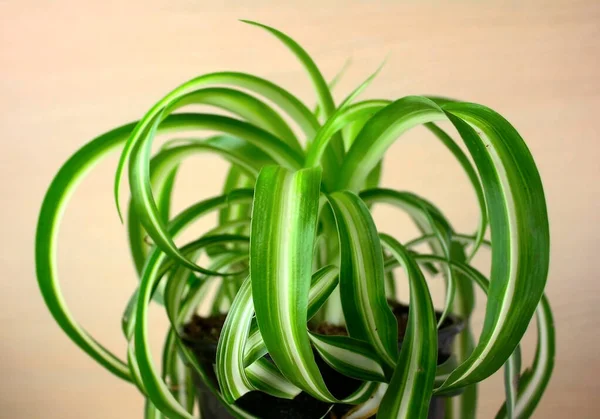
300 317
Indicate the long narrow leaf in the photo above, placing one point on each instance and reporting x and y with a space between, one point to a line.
139 176
351 357
410 389
230 351
266 377
512 371
519 227
156 389
322 285
282 98
362 282
473 178
534 381
284 221
516 208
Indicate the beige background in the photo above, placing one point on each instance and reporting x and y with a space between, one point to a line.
71 70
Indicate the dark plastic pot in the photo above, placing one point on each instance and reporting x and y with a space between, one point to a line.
303 406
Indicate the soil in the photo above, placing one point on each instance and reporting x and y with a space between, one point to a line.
204 329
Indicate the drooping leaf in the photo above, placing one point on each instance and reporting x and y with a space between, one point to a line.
351 357
156 388
289 103
266 377
533 382
409 391
322 284
230 368
516 209
362 282
139 173
284 221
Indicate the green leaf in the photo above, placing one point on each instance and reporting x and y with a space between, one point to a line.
335 150
369 407
512 371
286 101
410 388
266 377
332 84
236 179
351 357
473 178
135 232
55 201
151 412
322 285
323 93
324 96
428 219
176 373
162 170
141 190
519 228
341 118
230 351
156 389
284 220
379 133
248 107
534 381
362 282
234 410
516 209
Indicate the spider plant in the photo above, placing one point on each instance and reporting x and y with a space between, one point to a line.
296 242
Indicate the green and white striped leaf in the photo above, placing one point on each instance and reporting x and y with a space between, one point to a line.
428 219
230 350
176 374
409 391
516 209
533 382
266 377
322 285
512 372
338 121
156 388
471 173
286 101
139 173
370 406
284 221
362 280
362 393
519 228
234 410
351 357
324 97
53 206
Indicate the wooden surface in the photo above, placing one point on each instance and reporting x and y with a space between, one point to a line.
69 71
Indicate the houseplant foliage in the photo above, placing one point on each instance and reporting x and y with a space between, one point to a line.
295 241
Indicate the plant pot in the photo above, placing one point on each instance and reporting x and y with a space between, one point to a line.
201 336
